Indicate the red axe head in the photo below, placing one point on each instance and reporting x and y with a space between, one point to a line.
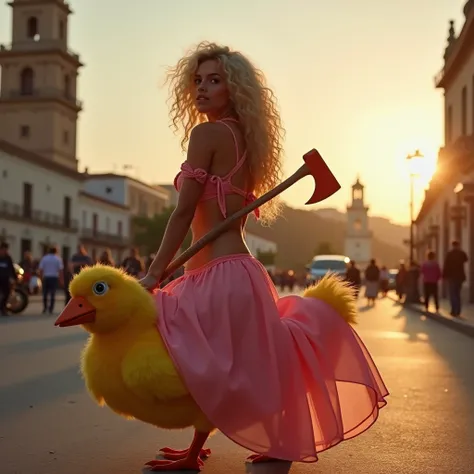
325 182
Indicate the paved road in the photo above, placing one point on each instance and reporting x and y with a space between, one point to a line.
48 424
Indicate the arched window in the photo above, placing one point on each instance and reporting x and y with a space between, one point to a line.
32 27
27 79
67 86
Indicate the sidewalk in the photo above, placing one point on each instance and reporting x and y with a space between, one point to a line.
464 324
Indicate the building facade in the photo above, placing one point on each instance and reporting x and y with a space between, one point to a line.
142 199
103 225
44 200
38 203
447 212
358 239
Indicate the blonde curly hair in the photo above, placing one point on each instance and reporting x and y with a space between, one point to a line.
253 102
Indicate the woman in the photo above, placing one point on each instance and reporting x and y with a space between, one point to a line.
106 258
372 282
250 360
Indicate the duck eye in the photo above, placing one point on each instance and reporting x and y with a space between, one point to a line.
100 288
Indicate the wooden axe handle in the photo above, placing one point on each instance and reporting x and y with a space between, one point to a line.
225 224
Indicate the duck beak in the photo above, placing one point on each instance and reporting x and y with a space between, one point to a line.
77 311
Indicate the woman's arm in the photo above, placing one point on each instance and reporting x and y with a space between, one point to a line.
200 152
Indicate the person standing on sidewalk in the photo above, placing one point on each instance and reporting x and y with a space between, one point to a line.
431 274
353 277
51 268
455 276
7 276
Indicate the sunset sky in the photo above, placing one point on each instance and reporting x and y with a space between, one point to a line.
354 79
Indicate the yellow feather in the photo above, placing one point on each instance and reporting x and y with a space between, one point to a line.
337 293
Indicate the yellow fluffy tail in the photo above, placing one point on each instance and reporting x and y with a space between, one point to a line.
337 293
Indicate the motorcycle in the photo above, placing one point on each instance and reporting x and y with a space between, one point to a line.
17 300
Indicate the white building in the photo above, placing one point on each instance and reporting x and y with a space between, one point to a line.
172 193
358 240
141 198
258 245
38 202
42 196
445 214
103 225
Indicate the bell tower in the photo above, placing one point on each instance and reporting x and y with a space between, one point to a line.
358 244
38 96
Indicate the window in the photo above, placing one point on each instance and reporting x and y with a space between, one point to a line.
95 223
32 28
27 200
24 131
108 190
61 29
67 86
66 137
67 212
449 125
119 227
27 79
357 224
464 111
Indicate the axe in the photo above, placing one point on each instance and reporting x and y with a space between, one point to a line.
325 186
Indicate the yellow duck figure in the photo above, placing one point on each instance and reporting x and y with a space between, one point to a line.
126 365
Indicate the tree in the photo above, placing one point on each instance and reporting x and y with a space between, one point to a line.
266 258
148 232
324 248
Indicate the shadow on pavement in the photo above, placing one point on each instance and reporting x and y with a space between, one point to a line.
268 468
38 345
456 349
21 397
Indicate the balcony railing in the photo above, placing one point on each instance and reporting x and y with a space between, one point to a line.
42 93
41 45
104 237
14 211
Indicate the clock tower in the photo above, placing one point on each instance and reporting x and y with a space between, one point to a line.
358 242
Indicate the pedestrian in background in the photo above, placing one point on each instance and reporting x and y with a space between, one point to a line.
372 282
51 268
353 277
431 274
455 276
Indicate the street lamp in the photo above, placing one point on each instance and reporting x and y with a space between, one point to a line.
410 157
412 294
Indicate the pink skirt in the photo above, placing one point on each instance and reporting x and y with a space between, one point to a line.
286 377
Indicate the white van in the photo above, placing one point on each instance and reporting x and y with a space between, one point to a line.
322 264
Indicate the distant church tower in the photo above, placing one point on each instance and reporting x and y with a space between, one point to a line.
38 103
358 245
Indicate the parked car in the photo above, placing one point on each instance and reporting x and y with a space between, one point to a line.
323 264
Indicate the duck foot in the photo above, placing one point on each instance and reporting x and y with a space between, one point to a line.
260 458
176 454
186 464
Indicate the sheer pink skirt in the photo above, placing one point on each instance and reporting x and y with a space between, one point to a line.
286 377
